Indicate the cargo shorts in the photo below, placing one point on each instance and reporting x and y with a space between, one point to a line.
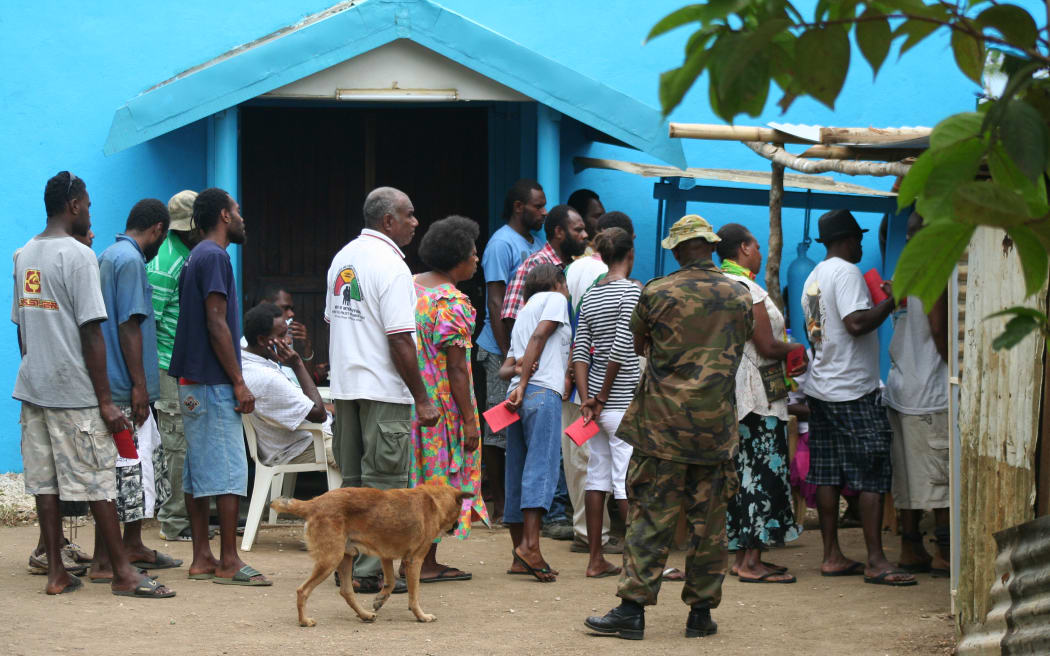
68 452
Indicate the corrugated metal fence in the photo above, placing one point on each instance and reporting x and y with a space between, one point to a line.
1019 620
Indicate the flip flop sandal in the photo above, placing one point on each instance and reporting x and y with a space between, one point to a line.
673 574
201 576
148 588
615 571
161 561
109 579
767 578
244 577
462 576
882 579
853 570
915 568
537 573
75 583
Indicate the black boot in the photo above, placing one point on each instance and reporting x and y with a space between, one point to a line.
626 621
700 623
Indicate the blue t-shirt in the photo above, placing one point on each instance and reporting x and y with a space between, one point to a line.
127 293
505 252
207 271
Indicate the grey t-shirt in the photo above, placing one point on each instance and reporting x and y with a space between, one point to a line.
56 292
554 361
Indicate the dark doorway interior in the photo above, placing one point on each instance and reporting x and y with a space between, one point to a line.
305 173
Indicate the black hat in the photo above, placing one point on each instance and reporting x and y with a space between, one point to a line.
837 224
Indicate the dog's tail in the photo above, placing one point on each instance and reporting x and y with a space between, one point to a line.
296 507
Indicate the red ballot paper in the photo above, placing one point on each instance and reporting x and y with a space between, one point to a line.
580 432
874 281
125 444
796 357
499 417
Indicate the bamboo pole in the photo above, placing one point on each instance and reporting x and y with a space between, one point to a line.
780 156
851 153
827 136
776 235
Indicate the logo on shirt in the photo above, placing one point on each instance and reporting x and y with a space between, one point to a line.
814 314
32 281
347 285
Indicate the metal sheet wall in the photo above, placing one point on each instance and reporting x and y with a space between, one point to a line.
998 420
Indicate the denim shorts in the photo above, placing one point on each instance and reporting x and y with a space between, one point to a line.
533 453
216 462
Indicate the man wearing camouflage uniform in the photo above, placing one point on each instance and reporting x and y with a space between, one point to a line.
692 326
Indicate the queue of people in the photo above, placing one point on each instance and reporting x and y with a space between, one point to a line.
686 379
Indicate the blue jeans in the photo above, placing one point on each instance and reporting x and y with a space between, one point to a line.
533 453
216 462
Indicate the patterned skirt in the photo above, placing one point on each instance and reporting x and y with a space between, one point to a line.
760 514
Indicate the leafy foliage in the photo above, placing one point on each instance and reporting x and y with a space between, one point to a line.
984 168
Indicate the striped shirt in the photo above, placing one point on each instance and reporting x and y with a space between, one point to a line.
163 272
604 335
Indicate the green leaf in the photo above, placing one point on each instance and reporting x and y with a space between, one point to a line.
748 46
675 83
915 180
928 260
952 166
969 55
873 38
955 128
1006 173
1016 330
1033 257
702 13
822 61
1024 135
987 203
1014 23
915 31
1020 311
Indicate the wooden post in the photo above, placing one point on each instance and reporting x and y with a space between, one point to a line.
776 235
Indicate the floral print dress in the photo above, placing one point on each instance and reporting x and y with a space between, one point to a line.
444 318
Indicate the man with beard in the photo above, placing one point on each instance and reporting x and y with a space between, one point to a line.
206 361
130 333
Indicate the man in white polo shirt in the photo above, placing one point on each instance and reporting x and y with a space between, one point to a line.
371 307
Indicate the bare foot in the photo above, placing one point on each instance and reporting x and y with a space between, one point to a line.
58 584
839 566
601 569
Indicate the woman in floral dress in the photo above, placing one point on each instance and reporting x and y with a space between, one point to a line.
448 453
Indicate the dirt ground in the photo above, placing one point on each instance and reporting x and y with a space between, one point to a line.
493 614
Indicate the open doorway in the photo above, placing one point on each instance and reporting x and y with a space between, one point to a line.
305 172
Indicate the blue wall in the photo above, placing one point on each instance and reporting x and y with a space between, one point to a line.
69 66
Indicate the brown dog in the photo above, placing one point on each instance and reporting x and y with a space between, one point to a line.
388 524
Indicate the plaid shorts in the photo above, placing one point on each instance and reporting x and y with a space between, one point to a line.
849 444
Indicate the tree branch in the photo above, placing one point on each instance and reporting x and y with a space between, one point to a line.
780 156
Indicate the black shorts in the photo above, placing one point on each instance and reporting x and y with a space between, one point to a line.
849 444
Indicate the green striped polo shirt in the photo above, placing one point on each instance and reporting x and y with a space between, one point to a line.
163 271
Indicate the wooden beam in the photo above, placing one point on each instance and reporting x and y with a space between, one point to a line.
870 154
732 133
872 135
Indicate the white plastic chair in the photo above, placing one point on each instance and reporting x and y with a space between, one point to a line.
272 482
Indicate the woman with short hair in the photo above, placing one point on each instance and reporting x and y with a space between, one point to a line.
760 514
449 452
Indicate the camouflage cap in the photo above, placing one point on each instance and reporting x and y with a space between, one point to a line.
180 207
690 226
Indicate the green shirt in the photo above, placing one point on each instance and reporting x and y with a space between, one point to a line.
163 272
695 322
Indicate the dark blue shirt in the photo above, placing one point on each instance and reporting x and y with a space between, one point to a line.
127 293
207 271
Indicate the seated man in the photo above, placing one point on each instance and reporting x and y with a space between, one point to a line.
299 337
280 407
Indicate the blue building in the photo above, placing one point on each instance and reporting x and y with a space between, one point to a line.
298 107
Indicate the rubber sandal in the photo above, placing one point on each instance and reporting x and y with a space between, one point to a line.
201 576
853 570
148 588
882 579
765 578
536 573
109 579
673 574
75 583
462 576
161 561
244 577
615 571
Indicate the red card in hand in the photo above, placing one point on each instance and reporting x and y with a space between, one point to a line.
796 358
125 444
580 432
499 417
874 281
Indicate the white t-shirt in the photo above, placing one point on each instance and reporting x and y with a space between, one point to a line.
918 380
580 275
369 296
280 408
750 392
554 361
844 367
